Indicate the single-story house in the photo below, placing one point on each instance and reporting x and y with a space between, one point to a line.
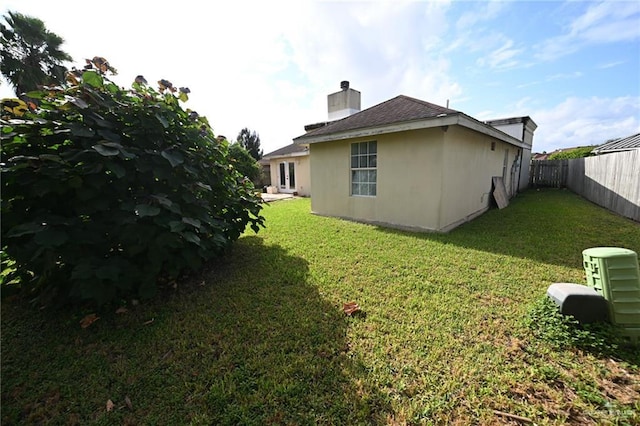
411 164
290 170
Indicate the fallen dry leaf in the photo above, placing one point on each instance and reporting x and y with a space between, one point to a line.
350 308
127 401
148 322
122 310
88 320
109 405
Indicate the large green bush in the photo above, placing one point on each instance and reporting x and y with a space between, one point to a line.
106 190
244 162
567 154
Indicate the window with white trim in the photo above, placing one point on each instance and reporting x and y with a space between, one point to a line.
364 160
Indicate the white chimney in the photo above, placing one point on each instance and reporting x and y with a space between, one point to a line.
343 103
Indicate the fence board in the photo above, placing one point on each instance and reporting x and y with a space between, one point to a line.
548 173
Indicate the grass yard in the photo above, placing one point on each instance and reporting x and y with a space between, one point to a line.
444 336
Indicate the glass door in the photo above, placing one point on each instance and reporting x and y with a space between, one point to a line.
292 176
287 176
282 171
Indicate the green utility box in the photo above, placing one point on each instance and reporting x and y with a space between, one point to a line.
615 274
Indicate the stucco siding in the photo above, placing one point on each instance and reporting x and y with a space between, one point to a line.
304 176
302 173
514 129
409 180
468 165
524 170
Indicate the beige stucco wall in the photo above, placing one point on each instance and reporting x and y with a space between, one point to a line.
428 179
468 167
303 173
521 130
408 187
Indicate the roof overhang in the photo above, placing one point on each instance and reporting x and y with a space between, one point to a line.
293 154
459 119
526 120
607 151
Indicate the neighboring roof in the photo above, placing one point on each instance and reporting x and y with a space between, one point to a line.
398 114
623 144
287 151
540 156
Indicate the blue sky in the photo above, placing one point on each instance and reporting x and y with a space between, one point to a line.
574 66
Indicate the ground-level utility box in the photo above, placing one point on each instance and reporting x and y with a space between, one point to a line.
584 303
614 273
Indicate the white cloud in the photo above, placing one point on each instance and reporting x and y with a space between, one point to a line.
585 121
564 76
270 65
264 65
576 121
478 34
528 84
503 57
610 64
602 23
599 21
383 49
554 77
482 12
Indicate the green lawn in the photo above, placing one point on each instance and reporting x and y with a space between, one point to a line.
260 337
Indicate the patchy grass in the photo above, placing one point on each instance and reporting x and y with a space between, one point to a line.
452 328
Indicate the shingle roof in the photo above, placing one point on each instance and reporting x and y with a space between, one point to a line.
286 150
397 110
624 144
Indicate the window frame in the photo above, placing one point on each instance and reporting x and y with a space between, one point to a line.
363 161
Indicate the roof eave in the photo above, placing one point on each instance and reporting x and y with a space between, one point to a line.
489 130
607 151
293 154
378 130
448 120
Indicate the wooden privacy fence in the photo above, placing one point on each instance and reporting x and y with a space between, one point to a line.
609 180
548 173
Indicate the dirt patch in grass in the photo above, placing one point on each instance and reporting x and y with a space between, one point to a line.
619 384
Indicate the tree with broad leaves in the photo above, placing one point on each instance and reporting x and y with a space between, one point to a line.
107 193
31 55
244 162
251 142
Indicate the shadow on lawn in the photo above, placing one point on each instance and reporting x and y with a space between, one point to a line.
248 341
550 226
282 354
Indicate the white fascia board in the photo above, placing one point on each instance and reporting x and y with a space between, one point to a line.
448 120
531 125
294 154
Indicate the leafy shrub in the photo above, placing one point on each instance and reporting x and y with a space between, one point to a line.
563 331
244 162
105 190
579 152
